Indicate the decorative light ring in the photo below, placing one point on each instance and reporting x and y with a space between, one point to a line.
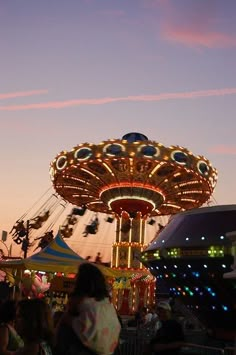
203 168
212 181
171 205
83 153
149 150
52 173
179 157
130 197
113 149
61 162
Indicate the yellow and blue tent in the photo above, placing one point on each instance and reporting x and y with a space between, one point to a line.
59 257
56 257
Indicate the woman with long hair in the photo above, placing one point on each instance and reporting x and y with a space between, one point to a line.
91 315
9 339
35 326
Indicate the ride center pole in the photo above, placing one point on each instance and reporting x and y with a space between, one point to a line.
26 238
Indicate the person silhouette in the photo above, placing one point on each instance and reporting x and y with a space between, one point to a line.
169 337
98 259
19 227
91 317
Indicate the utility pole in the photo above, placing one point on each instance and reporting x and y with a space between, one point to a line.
25 243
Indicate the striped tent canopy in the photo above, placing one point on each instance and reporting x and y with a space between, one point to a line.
56 257
59 257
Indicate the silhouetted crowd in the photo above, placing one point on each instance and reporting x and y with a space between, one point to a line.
88 326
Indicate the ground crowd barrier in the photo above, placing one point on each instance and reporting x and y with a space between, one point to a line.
134 343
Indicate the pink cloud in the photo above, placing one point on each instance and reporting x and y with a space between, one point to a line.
193 37
12 95
108 100
196 26
223 149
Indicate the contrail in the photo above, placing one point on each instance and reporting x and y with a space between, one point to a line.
223 149
12 95
108 100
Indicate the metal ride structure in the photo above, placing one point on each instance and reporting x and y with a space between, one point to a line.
34 227
134 180
193 259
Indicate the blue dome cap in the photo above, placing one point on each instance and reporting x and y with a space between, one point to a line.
134 137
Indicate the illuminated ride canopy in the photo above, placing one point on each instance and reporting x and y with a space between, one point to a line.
134 179
190 258
133 174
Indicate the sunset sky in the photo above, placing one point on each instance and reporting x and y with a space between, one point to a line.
75 71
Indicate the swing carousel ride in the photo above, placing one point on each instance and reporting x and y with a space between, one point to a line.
38 220
133 180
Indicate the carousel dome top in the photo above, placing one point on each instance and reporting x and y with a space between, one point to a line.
134 137
133 174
